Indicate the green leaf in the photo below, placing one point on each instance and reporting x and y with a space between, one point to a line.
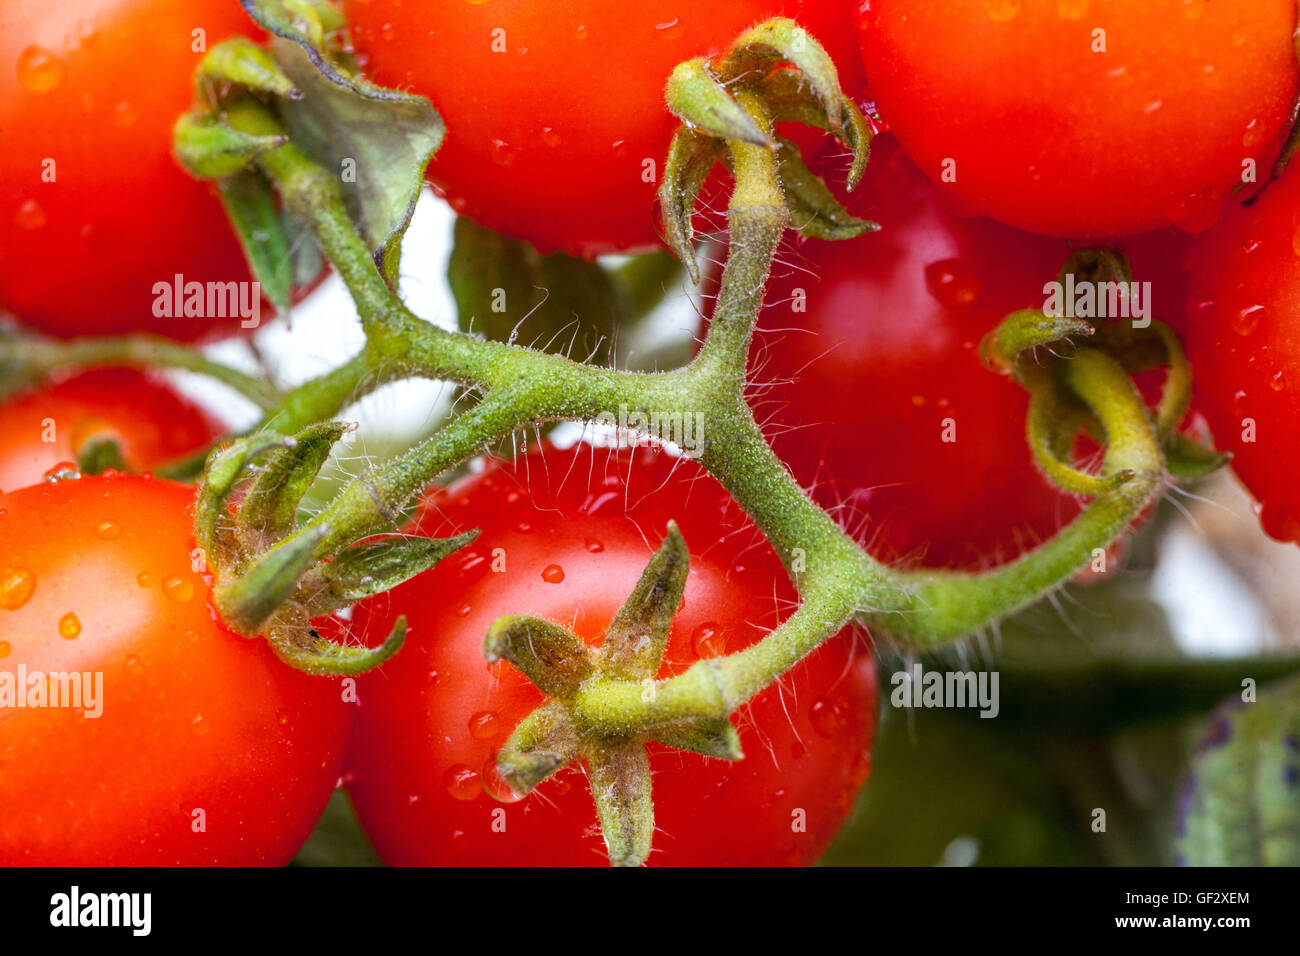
508 292
378 141
1241 800
338 839
380 564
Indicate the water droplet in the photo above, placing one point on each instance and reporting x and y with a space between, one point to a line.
1197 212
1253 135
707 640
829 717
62 471
5 648
619 148
16 587
1239 402
1250 245
594 546
952 282
484 725
133 665
108 530
199 726
495 783
862 14
179 589
144 580
523 527
462 782
503 154
669 30
581 32
1247 320
1153 106
69 626
124 115
552 139
30 215
463 610
553 574
1278 381
39 70
1000 11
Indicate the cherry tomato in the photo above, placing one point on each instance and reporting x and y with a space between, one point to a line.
1243 338
96 210
46 427
1086 118
868 380
556 125
198 747
565 536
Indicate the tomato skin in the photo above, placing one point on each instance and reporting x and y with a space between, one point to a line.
194 716
547 141
437 708
1052 137
1243 338
151 423
863 354
97 91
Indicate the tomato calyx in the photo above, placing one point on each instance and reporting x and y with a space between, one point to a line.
273 577
579 680
772 73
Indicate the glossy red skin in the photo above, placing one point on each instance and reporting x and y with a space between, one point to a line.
414 721
1052 137
194 716
547 140
854 392
151 424
80 255
1243 337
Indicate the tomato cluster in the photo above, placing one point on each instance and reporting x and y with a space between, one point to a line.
1153 128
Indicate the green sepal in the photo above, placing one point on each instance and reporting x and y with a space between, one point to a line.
210 149
250 204
100 453
691 155
271 505
242 62
248 600
1185 457
695 95
1028 329
635 640
545 741
782 40
619 772
552 657
225 466
312 654
788 95
710 736
376 565
814 210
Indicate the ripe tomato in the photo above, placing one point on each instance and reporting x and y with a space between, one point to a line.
49 426
556 125
206 749
569 534
868 380
88 185
1243 338
1086 118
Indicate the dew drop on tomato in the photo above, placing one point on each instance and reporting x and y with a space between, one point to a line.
495 784
1247 320
828 717
5 648
69 626
485 725
39 70
594 546
708 641
179 589
16 587
108 530
952 282
553 574
462 782
30 215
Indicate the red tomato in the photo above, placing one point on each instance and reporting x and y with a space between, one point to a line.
49 426
1086 118
1243 338
575 530
206 749
869 382
556 125
95 208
